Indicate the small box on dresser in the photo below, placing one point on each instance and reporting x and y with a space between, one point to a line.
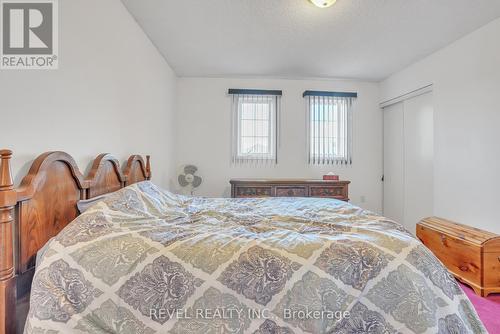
470 254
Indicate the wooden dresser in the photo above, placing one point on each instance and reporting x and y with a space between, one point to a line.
290 188
471 254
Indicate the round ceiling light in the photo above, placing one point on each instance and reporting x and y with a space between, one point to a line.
323 3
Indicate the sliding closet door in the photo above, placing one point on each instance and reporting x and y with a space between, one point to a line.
408 160
394 162
419 159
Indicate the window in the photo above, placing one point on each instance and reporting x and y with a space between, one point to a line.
329 127
255 125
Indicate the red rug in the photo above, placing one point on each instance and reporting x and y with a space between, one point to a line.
487 308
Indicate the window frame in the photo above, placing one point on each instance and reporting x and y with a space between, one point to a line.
271 99
269 155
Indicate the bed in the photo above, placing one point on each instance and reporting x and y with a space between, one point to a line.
144 260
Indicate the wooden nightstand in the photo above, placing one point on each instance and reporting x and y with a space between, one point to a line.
289 188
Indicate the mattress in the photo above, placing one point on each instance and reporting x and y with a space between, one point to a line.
144 260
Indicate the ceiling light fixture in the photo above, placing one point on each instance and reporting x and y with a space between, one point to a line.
323 3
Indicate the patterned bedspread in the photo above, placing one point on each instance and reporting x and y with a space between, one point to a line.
148 261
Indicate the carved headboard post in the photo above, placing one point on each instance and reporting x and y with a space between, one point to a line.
148 167
8 200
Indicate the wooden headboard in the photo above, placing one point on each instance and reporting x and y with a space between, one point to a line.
43 204
105 176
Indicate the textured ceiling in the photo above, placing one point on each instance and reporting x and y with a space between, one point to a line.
362 39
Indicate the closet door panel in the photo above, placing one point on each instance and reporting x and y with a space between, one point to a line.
419 157
394 162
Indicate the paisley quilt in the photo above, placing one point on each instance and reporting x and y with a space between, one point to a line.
144 260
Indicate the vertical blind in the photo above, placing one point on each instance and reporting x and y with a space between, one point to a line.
329 127
255 126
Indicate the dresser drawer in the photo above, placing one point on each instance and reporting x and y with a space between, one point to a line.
254 191
291 191
462 258
339 192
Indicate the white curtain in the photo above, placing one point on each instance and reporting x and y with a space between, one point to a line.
329 129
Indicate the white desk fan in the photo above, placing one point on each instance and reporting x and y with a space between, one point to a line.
188 180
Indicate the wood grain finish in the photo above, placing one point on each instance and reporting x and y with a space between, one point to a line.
290 188
137 170
492 268
339 192
471 254
459 256
291 191
47 203
8 199
253 191
44 204
105 176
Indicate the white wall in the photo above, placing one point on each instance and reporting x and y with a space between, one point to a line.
113 92
203 135
466 79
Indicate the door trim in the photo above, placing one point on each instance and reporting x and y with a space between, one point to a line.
401 98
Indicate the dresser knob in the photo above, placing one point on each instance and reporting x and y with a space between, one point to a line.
443 239
498 259
464 268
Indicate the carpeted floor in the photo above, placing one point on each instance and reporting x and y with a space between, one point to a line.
487 308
